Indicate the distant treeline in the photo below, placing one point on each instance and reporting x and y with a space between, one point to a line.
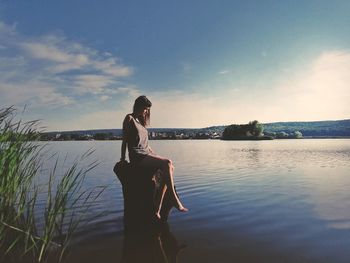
278 129
318 128
67 136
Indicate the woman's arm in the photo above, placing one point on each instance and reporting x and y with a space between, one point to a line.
123 150
126 124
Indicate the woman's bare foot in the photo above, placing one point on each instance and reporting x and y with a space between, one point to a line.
182 209
179 206
158 216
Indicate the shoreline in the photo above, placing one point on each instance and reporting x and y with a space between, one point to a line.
202 139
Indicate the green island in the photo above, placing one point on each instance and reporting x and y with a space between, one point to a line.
255 131
251 131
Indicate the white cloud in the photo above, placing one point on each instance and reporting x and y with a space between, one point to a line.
22 93
47 51
110 66
62 60
132 91
101 118
223 72
105 98
51 70
92 83
66 56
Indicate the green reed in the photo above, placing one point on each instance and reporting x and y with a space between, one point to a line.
21 162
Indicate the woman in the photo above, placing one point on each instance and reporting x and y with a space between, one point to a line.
135 137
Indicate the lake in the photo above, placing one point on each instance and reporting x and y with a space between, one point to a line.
249 201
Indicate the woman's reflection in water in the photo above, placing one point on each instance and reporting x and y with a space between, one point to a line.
156 245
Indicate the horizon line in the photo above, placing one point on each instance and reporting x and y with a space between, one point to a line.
93 129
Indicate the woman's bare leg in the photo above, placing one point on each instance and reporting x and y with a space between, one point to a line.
163 188
167 168
159 199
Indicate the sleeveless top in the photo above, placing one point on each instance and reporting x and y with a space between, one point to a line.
137 141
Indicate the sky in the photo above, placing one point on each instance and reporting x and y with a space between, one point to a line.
81 64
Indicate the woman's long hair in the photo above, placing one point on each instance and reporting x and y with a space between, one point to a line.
140 104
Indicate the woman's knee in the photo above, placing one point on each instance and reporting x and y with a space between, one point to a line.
168 163
171 164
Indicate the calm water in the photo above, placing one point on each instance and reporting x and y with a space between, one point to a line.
249 201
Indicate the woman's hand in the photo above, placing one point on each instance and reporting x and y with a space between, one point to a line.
150 150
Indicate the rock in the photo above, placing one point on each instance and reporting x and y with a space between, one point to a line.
141 186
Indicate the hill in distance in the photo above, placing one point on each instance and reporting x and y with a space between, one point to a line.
309 128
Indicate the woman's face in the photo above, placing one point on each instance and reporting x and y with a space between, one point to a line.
143 113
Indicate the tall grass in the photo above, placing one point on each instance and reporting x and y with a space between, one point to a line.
22 158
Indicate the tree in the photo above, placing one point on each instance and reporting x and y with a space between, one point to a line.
234 131
256 128
282 134
298 135
100 136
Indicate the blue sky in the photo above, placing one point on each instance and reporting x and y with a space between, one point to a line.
81 64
